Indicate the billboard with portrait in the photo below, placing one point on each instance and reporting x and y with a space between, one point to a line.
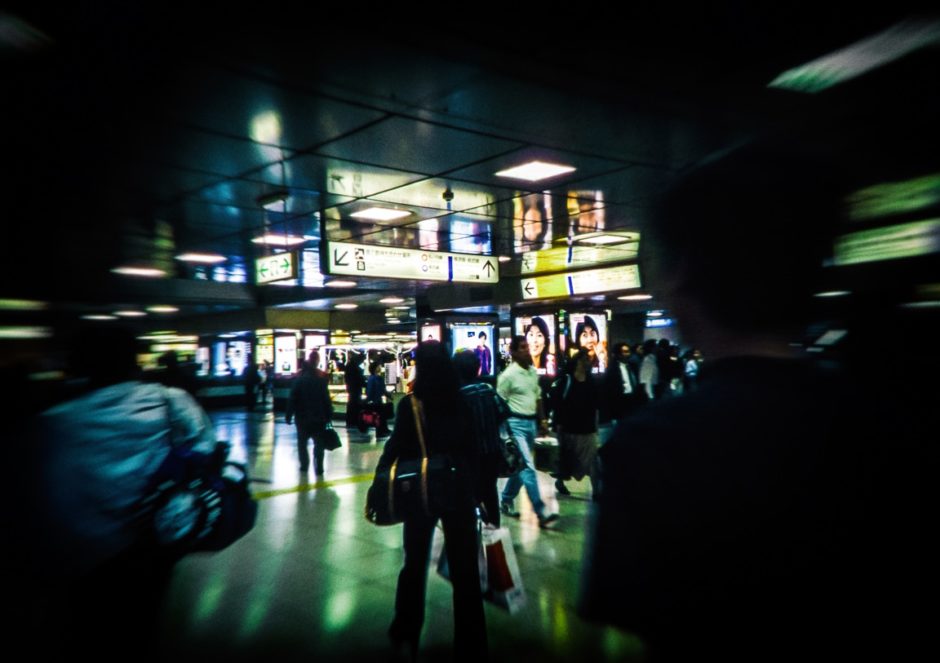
532 222
589 331
478 338
540 333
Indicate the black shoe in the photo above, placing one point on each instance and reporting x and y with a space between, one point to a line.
506 509
548 520
561 487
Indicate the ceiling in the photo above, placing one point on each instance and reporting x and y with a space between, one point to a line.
135 134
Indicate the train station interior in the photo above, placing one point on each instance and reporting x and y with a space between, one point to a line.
241 185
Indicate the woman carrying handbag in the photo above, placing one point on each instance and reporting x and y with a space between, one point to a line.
436 423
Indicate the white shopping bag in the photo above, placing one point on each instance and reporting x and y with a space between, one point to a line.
502 570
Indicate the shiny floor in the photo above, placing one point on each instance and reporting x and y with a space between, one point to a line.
315 581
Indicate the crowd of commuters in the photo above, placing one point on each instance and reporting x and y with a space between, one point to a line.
746 508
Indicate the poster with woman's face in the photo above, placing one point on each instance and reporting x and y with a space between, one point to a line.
585 212
539 332
532 222
589 331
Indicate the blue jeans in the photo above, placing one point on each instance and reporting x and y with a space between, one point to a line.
523 430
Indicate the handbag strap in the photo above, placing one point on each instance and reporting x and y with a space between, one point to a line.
418 413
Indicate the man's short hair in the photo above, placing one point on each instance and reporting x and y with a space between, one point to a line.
514 343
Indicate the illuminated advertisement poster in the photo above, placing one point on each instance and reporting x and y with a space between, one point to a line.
585 212
589 331
540 333
478 339
202 361
230 357
265 349
430 332
532 222
313 342
285 355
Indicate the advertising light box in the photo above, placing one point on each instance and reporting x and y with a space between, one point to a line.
476 338
589 331
540 334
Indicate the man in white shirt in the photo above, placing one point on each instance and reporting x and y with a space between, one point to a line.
519 387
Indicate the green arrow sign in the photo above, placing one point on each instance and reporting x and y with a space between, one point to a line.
278 267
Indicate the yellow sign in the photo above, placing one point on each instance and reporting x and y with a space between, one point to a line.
576 257
625 277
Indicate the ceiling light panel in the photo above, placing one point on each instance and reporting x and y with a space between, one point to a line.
381 214
535 171
204 258
278 240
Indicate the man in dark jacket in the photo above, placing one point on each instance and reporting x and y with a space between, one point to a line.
310 401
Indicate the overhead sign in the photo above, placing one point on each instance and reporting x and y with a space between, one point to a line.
372 260
275 268
576 256
624 277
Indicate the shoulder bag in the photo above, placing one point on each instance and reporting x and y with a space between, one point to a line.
423 487
196 502
330 438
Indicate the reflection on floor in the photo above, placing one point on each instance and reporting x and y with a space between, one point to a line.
315 581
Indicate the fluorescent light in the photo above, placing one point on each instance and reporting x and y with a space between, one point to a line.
162 309
207 258
859 58
635 298
278 240
99 317
654 314
150 272
341 284
402 308
535 171
391 300
504 258
130 314
833 293
381 214
23 305
607 238
831 337
347 306
25 332
927 304
394 321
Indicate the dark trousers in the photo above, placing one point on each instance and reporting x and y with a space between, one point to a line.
353 406
460 535
306 431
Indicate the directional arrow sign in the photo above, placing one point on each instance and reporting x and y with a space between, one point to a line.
278 267
610 279
395 262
